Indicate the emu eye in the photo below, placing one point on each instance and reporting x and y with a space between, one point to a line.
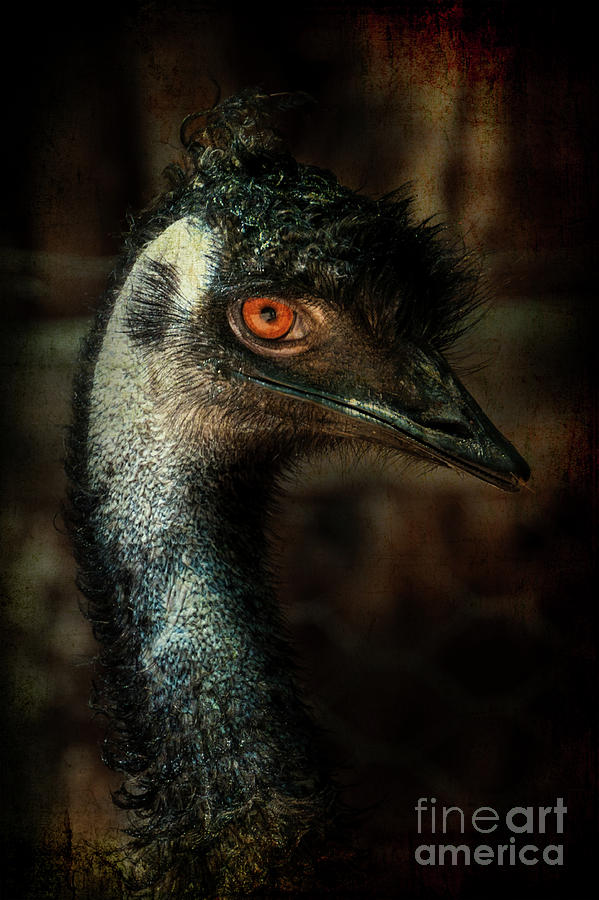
266 318
277 328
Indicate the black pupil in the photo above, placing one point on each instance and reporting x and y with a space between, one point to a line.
268 314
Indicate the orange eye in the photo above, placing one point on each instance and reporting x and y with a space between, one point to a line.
266 318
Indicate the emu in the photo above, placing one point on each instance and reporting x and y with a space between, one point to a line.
262 310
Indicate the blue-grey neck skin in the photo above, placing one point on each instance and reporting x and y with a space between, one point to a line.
225 717
216 748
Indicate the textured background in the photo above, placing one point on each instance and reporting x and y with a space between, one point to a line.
446 632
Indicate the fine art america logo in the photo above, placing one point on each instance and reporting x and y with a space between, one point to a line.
527 835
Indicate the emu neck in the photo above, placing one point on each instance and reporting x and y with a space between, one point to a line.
208 623
216 747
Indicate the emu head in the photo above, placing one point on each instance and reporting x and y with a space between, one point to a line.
270 299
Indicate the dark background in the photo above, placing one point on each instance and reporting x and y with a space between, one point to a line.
447 632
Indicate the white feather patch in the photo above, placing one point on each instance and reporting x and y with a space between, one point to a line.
130 441
186 245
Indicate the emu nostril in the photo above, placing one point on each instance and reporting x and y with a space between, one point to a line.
454 428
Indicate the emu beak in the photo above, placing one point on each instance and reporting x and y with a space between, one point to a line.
419 407
428 412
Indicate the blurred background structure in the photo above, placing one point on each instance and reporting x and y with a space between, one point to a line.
446 632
